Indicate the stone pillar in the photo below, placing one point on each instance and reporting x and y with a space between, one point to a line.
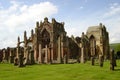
4 55
1 55
65 58
46 54
32 56
82 55
59 51
35 53
50 56
25 44
25 54
11 56
32 34
62 51
16 61
27 61
40 53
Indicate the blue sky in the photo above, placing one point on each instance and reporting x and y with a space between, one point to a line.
16 16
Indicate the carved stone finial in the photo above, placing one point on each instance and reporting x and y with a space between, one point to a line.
37 24
25 33
18 44
32 32
18 39
45 19
104 28
53 20
25 36
100 24
40 23
82 33
63 23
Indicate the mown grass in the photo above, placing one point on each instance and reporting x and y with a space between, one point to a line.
75 71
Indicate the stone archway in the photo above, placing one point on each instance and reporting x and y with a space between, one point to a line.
45 38
92 48
45 45
92 45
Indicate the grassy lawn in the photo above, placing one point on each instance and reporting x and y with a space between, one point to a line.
59 72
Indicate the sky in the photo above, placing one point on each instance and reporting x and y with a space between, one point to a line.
16 16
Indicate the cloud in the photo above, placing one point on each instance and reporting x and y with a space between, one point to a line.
114 9
19 17
112 18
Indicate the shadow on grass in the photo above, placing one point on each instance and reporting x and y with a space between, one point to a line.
116 69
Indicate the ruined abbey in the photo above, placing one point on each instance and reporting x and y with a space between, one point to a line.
50 44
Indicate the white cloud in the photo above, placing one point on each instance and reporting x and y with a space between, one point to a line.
112 19
113 10
19 17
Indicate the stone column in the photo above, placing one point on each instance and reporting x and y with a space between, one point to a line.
52 46
32 56
35 53
49 55
27 56
11 56
16 61
59 51
46 54
40 54
62 51
65 58
3 55
82 55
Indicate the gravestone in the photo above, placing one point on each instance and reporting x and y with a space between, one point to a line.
112 59
65 60
15 61
20 63
101 60
92 60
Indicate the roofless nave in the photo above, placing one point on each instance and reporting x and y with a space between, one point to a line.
49 43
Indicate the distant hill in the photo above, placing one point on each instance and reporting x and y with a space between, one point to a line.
115 46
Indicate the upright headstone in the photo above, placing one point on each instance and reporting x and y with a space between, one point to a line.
16 61
92 60
65 60
101 60
112 59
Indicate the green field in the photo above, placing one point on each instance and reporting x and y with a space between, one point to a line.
115 46
75 71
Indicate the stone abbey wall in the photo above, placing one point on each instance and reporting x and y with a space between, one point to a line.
49 43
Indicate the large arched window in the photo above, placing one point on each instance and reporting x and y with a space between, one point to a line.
45 38
92 44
